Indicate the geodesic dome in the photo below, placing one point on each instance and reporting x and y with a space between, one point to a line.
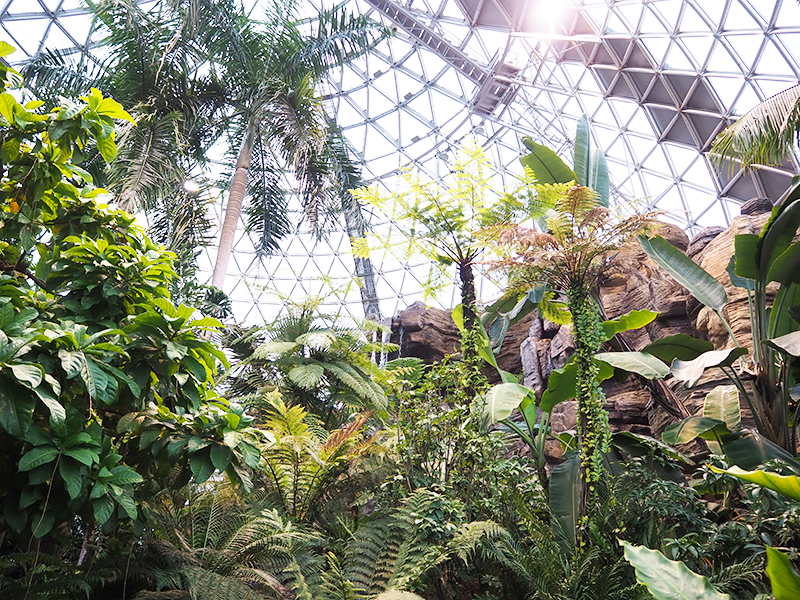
658 79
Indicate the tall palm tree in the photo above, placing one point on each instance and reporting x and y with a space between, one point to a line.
203 71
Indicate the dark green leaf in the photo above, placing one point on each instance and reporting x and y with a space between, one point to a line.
692 427
71 474
564 490
582 155
700 284
220 457
40 455
786 267
103 508
201 465
746 255
681 346
736 281
16 410
752 450
124 475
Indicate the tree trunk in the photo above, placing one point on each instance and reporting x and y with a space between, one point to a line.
354 221
593 428
233 209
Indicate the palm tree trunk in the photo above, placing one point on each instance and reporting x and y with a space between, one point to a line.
233 209
354 221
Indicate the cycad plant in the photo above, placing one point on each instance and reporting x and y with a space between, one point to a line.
212 545
570 258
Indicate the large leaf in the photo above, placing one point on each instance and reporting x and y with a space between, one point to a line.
632 320
582 156
563 384
16 410
599 180
789 343
646 365
788 485
564 490
736 281
500 401
692 427
41 455
722 404
691 371
752 450
700 284
668 579
786 267
545 164
680 345
779 232
780 320
782 575
746 255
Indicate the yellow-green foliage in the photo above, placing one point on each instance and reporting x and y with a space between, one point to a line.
439 220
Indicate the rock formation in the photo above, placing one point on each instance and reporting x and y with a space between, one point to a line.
537 346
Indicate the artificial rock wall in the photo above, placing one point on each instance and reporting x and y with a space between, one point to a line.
536 346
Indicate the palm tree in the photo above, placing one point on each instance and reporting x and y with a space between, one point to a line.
211 544
200 72
765 135
326 368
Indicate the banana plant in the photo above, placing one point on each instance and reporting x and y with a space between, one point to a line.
758 261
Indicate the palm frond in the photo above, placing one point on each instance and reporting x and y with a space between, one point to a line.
763 136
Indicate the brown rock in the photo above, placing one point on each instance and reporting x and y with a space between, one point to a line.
702 239
756 206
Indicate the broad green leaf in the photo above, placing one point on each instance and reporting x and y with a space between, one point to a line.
786 267
779 232
582 155
668 579
201 465
646 365
736 281
691 371
306 376
565 483
83 455
250 455
681 346
500 401
71 474
103 508
632 320
124 499
125 475
685 431
789 343
16 410
220 457
700 284
722 404
563 382
42 525
57 412
545 164
27 374
794 313
788 485
782 575
752 450
599 180
38 456
746 247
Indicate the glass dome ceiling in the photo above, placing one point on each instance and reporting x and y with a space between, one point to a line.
658 80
